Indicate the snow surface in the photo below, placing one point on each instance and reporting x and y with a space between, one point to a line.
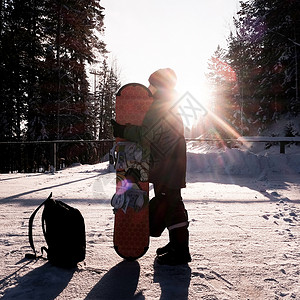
244 211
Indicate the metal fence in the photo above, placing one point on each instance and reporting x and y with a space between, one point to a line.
41 156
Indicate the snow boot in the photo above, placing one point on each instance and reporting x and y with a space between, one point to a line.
163 250
175 257
177 251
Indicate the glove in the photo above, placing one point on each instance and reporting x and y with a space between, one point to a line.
118 129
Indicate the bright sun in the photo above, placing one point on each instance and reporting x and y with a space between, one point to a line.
194 102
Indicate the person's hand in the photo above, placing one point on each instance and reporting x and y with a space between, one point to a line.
118 129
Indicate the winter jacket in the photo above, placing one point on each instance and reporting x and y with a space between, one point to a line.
162 132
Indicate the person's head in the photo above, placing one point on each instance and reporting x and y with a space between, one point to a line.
162 79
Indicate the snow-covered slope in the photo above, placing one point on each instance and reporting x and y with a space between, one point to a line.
244 212
242 161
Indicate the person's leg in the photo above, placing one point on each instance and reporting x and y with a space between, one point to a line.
158 207
177 250
176 217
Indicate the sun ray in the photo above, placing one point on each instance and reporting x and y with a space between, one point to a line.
224 125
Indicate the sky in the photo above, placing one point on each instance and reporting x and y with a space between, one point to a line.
143 36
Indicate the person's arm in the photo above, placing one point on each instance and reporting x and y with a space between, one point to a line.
142 134
136 133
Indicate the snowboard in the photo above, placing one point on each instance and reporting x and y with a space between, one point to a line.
131 200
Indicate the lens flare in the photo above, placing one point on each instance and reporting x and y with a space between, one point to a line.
123 186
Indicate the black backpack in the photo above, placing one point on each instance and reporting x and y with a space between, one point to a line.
64 231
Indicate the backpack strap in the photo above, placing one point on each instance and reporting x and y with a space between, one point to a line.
30 229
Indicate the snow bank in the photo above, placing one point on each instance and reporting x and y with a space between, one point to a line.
208 159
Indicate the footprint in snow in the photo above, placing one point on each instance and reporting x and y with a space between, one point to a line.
275 194
210 297
270 280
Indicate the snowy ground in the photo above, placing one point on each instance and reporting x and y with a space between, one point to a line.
244 214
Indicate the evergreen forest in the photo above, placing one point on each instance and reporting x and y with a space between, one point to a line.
255 80
47 49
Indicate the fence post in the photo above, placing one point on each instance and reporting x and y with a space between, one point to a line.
54 156
282 147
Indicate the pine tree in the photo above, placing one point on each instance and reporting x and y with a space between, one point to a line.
13 63
44 50
73 45
263 53
108 86
222 79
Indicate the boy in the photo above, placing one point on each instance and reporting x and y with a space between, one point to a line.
162 131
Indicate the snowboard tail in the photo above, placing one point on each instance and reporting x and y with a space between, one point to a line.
131 237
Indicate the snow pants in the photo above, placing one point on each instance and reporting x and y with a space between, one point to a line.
166 210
